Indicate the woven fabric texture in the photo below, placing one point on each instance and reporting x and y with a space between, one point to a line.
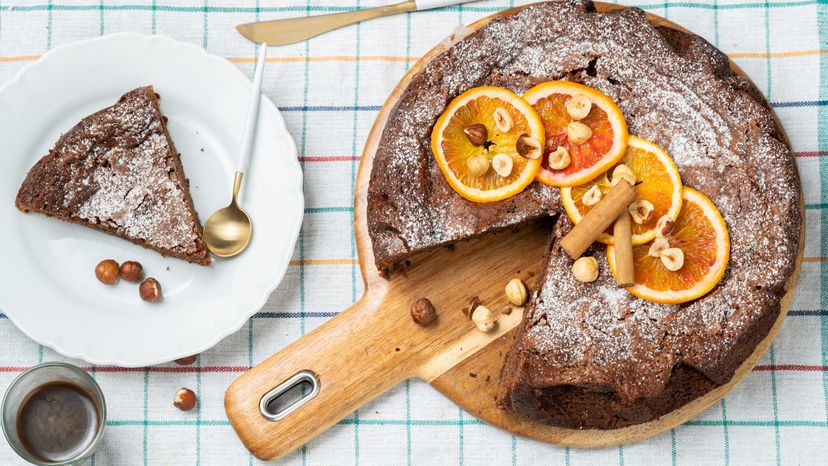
329 90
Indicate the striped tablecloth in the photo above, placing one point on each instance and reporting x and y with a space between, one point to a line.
329 90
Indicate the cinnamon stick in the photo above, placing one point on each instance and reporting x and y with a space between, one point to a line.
598 219
622 233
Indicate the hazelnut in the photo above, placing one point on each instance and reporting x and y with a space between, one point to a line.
641 211
185 399
516 292
559 158
423 312
578 133
473 303
502 165
107 272
585 269
150 290
664 226
623 172
484 319
478 165
503 120
578 106
528 147
592 196
186 361
672 258
132 271
477 134
659 245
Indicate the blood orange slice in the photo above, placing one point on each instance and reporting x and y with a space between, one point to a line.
664 275
566 108
657 183
476 144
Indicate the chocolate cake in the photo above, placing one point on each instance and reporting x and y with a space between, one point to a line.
117 171
591 355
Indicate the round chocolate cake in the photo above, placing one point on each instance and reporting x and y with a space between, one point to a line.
591 355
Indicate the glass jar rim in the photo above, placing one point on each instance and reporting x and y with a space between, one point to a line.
97 394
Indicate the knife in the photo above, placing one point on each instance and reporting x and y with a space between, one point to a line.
292 30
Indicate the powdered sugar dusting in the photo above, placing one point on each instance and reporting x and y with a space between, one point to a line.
122 174
675 93
137 196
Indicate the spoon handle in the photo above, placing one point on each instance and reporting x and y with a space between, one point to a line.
252 113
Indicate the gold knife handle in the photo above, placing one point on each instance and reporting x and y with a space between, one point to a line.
289 31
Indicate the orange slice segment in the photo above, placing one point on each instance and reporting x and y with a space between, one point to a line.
657 182
701 235
475 165
589 158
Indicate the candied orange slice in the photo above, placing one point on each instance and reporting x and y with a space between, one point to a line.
475 143
701 235
657 183
588 158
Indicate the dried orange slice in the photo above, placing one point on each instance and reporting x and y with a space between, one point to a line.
657 183
565 108
701 235
475 143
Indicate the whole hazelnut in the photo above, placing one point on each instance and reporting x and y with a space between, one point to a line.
578 133
132 271
478 165
423 312
484 319
186 361
107 272
585 269
578 106
185 399
477 134
516 292
150 290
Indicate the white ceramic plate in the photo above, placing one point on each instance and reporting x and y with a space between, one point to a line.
47 282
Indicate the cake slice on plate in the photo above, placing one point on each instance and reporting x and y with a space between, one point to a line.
117 171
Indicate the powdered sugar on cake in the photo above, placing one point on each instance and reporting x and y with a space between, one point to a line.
123 175
718 131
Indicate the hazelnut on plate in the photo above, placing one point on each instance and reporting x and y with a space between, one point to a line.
150 290
132 271
107 272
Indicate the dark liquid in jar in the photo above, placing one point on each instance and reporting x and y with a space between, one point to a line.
57 421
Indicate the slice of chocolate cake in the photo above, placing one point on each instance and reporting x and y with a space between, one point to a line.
118 171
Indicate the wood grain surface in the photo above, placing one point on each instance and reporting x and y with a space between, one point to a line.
374 345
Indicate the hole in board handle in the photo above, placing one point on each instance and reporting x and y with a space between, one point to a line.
289 395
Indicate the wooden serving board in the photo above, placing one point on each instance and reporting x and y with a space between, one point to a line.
374 345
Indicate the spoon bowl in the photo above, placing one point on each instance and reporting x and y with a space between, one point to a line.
228 230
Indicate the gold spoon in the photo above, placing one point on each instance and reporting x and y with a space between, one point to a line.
228 231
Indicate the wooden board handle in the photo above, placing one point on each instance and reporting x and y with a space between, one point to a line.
353 358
